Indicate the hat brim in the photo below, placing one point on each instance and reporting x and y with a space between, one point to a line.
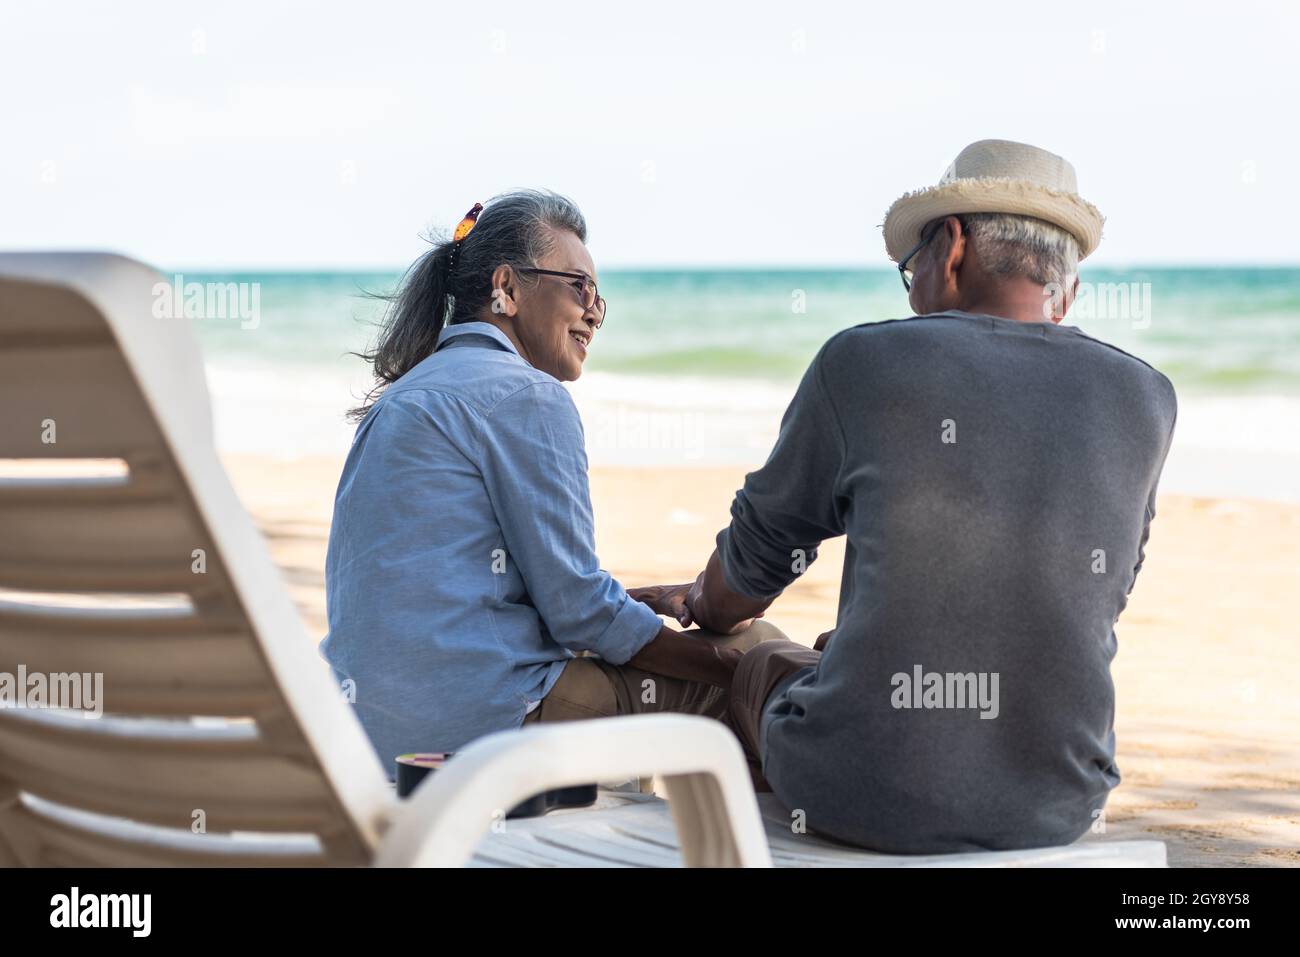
910 213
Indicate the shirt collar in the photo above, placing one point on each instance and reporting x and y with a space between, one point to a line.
475 329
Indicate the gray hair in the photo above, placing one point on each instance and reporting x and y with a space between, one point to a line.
514 229
1021 246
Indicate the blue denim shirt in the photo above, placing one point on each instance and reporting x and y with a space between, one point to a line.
462 573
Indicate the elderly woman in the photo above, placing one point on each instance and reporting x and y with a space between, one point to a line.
464 594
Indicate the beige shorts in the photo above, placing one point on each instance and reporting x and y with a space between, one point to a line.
590 687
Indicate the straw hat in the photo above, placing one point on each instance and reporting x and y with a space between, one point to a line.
997 176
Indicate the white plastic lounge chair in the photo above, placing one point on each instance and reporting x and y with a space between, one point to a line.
275 768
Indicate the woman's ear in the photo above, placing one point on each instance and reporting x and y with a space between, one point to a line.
505 289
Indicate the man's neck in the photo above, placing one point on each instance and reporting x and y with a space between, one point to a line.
1020 301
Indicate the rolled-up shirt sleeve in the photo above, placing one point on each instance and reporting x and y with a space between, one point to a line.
534 464
791 505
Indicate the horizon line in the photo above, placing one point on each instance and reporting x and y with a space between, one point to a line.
885 269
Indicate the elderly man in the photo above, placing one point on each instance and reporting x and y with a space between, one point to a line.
994 473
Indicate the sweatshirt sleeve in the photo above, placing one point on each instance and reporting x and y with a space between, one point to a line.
792 504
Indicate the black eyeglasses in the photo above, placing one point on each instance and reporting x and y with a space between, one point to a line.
926 235
587 291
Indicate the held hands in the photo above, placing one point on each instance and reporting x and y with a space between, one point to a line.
669 600
680 601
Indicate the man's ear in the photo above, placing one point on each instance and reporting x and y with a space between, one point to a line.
505 290
954 252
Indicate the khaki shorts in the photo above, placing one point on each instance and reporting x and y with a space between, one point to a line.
590 687
759 674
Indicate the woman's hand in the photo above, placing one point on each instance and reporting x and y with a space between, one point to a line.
667 600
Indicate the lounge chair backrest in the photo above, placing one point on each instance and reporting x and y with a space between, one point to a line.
186 616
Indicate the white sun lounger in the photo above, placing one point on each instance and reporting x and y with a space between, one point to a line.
223 739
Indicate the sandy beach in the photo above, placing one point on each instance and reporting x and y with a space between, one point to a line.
1206 676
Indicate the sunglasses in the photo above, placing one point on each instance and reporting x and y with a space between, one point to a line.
927 234
587 291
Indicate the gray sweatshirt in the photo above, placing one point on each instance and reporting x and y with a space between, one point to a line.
995 482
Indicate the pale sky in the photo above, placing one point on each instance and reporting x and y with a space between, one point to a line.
292 135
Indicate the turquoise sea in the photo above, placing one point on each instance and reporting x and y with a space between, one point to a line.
696 367
1216 330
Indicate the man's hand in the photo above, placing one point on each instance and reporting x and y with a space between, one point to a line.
696 595
714 606
667 600
822 639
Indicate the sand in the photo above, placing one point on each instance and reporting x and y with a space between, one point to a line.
1207 676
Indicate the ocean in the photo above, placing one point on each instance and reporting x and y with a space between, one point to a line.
695 367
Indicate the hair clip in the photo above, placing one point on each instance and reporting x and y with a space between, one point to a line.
466 224
462 230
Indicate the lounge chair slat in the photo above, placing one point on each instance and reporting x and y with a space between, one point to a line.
151 672
41 840
79 614
88 394
122 545
103 765
638 833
